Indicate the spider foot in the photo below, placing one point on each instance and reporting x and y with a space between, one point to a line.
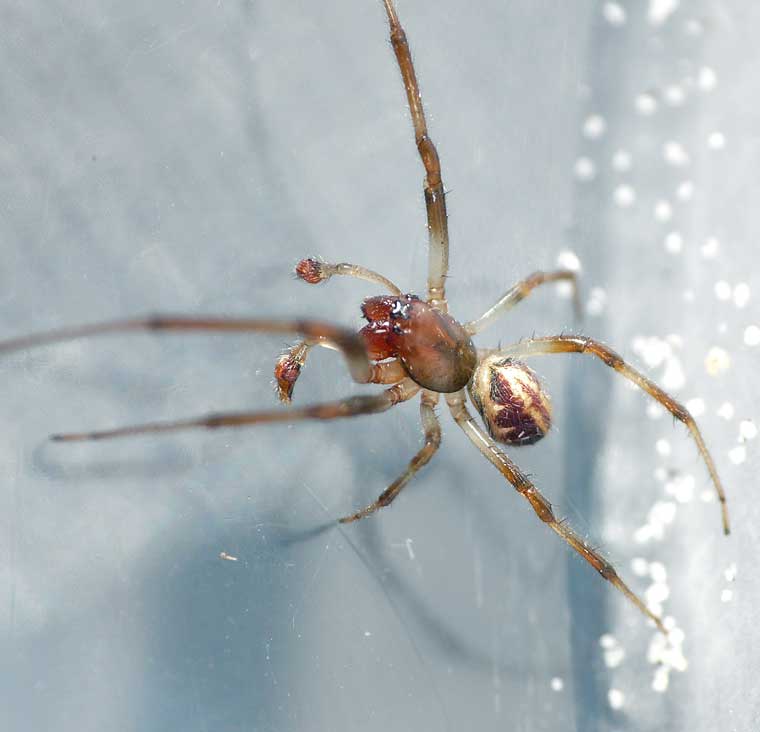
359 515
286 372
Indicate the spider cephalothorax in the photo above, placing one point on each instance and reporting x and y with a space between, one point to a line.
434 349
414 347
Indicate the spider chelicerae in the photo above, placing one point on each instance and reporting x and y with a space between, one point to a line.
413 346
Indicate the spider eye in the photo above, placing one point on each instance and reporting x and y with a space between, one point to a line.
515 408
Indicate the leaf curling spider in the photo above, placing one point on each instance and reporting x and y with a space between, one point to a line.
414 346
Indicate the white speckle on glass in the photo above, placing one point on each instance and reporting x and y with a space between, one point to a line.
730 572
675 154
752 335
594 126
616 698
646 104
584 169
747 430
694 27
673 378
557 684
640 566
722 290
741 294
707 78
673 242
726 595
663 211
661 679
597 301
682 488
568 259
717 361
737 455
663 448
658 572
622 161
624 196
661 10
710 248
674 95
696 406
614 13
716 140
685 190
726 410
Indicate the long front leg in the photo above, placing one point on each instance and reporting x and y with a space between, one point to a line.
581 344
351 407
432 430
347 342
519 292
435 200
540 505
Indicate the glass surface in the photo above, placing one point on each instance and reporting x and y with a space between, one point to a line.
181 157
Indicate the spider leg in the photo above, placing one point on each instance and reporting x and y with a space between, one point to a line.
347 342
520 291
435 202
313 271
538 502
581 344
350 407
432 431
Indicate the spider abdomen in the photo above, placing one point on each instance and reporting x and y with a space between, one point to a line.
515 408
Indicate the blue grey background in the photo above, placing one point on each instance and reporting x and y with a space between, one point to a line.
181 157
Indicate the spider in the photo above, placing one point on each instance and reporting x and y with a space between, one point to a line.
414 347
